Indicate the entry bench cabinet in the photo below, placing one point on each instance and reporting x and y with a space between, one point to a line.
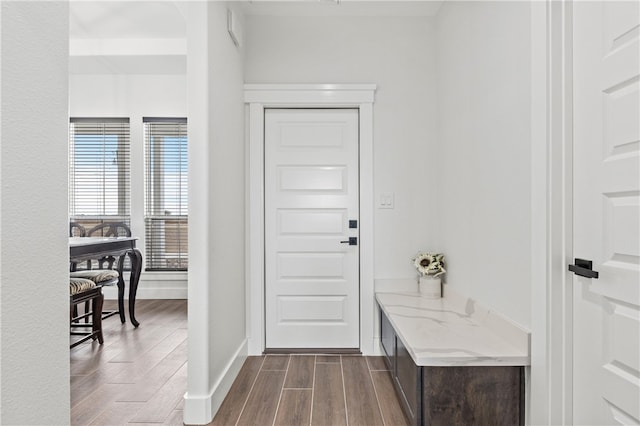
452 361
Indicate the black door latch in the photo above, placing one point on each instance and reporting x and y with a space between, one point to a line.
583 268
352 241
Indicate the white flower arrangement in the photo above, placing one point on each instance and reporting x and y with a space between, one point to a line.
429 264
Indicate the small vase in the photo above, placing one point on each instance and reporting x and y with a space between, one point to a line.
430 287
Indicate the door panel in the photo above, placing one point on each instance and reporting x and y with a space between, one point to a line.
318 222
312 178
311 308
309 266
606 376
311 194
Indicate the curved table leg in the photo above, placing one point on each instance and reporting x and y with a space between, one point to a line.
121 289
136 269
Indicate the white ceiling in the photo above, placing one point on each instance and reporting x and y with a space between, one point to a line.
99 28
127 19
127 37
167 18
343 7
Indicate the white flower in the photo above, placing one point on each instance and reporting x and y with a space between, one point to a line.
429 264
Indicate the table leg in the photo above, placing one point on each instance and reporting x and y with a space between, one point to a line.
136 269
121 289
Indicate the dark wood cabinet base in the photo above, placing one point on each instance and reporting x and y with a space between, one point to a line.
482 395
448 396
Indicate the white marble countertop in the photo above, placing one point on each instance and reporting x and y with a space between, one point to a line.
454 331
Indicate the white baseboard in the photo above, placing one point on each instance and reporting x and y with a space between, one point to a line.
111 293
196 409
154 285
377 350
200 409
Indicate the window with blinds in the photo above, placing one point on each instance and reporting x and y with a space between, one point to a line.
166 184
99 171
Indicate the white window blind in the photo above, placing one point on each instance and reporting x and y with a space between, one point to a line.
99 171
166 206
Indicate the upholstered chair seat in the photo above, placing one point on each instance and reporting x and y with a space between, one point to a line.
79 285
83 290
101 278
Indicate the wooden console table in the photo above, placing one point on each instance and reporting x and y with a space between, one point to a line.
88 248
453 361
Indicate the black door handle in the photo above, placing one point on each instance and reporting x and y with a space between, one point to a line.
583 268
352 241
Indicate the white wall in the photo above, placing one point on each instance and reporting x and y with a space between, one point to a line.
135 96
227 186
217 337
34 303
484 145
397 54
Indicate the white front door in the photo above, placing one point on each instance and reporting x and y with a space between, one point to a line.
606 317
311 213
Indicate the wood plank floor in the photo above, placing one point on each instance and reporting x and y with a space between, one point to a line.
139 376
327 390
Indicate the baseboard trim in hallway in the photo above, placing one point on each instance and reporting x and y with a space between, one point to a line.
199 409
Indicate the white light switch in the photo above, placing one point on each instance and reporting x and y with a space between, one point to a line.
386 200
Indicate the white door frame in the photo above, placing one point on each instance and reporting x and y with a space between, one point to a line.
551 398
261 96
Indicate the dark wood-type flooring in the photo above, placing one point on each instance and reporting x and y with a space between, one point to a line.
327 390
139 376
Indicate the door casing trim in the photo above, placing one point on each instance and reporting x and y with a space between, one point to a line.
257 97
550 381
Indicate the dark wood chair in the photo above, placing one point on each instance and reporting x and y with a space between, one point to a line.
101 278
105 275
83 290
109 229
77 230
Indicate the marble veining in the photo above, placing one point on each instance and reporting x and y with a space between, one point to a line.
454 331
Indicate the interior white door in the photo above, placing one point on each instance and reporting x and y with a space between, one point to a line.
311 212
606 331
